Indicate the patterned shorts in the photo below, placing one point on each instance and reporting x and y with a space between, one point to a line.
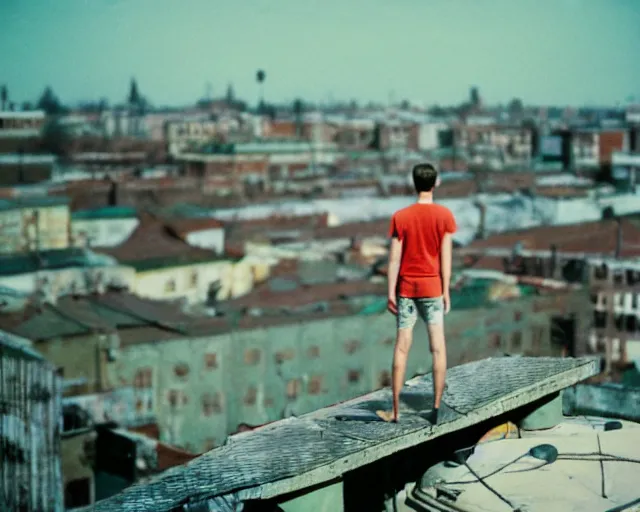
430 310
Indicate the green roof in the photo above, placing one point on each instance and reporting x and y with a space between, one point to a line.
187 210
474 294
33 202
108 212
23 263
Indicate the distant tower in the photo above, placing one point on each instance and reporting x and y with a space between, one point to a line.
474 96
260 78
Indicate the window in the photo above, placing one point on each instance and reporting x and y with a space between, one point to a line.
211 361
252 356
351 346
193 281
313 352
181 370
284 355
516 341
293 389
618 277
315 385
143 378
250 396
77 493
353 376
211 404
384 379
599 319
176 398
170 286
537 336
495 340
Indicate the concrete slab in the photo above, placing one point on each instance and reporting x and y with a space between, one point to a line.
298 453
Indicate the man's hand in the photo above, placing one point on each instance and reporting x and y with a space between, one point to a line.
392 305
446 300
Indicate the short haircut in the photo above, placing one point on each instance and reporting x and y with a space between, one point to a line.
424 177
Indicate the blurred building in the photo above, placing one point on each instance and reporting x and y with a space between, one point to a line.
30 414
23 159
34 223
273 353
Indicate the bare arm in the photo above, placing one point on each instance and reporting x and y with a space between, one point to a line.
395 256
446 250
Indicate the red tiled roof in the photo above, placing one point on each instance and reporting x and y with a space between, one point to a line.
264 298
354 229
182 227
598 237
170 456
279 222
152 240
565 191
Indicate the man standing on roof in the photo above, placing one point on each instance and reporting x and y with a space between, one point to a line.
418 277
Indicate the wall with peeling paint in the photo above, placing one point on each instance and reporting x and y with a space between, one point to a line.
191 282
206 387
34 227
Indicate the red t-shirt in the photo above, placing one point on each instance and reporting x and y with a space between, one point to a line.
421 228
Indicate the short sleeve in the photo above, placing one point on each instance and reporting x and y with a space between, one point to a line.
450 223
394 232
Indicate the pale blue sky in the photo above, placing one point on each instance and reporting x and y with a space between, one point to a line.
429 51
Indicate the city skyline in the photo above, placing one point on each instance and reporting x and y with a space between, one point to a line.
567 52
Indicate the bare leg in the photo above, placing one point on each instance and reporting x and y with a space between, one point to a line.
400 354
439 353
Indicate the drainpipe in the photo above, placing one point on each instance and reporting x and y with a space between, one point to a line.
553 263
481 234
619 240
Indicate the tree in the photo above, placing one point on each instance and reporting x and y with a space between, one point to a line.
405 105
437 111
516 108
4 96
55 139
103 105
260 78
230 95
134 93
298 110
50 103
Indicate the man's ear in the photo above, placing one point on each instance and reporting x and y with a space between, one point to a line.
438 181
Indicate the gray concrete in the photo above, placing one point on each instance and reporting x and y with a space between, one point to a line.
608 400
548 415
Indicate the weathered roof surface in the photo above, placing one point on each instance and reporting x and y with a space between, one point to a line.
297 453
17 346
167 249
598 237
101 313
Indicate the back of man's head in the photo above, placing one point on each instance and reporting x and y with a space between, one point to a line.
425 177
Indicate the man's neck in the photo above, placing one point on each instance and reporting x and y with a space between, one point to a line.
425 197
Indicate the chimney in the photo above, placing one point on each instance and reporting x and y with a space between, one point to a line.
553 261
481 234
619 239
